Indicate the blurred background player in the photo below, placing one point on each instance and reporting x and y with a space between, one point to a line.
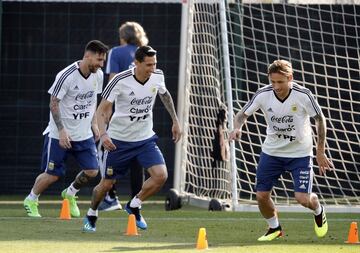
288 146
132 36
130 135
72 128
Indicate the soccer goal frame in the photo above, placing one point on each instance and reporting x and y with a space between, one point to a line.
207 72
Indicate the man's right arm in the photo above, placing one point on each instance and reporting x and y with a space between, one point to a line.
239 121
64 139
103 115
55 112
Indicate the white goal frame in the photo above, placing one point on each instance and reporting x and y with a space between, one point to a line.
233 203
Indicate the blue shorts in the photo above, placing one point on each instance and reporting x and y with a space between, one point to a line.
146 152
271 167
54 156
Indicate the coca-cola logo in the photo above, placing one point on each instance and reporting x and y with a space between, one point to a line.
284 119
84 96
141 101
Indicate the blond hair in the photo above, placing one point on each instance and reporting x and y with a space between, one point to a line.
280 66
133 33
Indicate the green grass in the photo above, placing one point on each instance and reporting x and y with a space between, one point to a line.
174 231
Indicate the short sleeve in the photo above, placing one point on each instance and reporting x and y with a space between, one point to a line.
60 86
162 87
111 91
100 81
311 105
253 105
114 66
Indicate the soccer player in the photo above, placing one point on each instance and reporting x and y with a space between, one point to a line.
287 107
130 135
132 36
72 128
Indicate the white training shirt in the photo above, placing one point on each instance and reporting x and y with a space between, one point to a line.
78 100
133 118
288 130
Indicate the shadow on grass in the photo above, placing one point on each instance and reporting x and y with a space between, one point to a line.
153 248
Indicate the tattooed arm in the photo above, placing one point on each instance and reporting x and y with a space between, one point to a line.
64 139
169 105
239 121
323 162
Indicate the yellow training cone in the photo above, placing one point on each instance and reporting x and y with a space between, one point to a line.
202 242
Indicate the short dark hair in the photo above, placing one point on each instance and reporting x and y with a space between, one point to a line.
144 51
96 46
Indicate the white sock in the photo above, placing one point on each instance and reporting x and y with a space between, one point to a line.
135 202
33 196
273 222
71 190
318 210
92 212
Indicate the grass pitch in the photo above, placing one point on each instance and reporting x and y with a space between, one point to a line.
174 231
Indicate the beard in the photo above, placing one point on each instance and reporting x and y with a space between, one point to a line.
93 69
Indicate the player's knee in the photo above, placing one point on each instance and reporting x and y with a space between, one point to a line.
91 173
51 178
161 178
106 185
262 197
303 199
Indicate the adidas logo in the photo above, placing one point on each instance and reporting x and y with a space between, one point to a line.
132 94
270 110
76 88
302 186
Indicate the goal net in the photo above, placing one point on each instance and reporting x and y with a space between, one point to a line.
321 41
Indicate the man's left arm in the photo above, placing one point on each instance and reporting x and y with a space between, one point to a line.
323 162
169 105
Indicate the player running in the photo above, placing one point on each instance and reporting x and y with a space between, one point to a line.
287 107
72 127
130 135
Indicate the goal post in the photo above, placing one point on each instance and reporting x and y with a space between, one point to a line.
225 53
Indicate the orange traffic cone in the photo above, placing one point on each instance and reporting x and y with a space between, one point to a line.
353 236
131 227
65 210
202 242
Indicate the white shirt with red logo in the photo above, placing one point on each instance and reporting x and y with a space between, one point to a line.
78 101
288 132
134 101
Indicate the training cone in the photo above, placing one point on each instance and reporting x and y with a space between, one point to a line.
65 210
131 227
202 242
353 236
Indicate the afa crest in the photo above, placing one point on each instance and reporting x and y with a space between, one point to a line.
51 165
109 171
153 90
294 108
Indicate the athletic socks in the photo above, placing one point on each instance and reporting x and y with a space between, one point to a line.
32 196
91 212
135 202
318 210
273 222
71 190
